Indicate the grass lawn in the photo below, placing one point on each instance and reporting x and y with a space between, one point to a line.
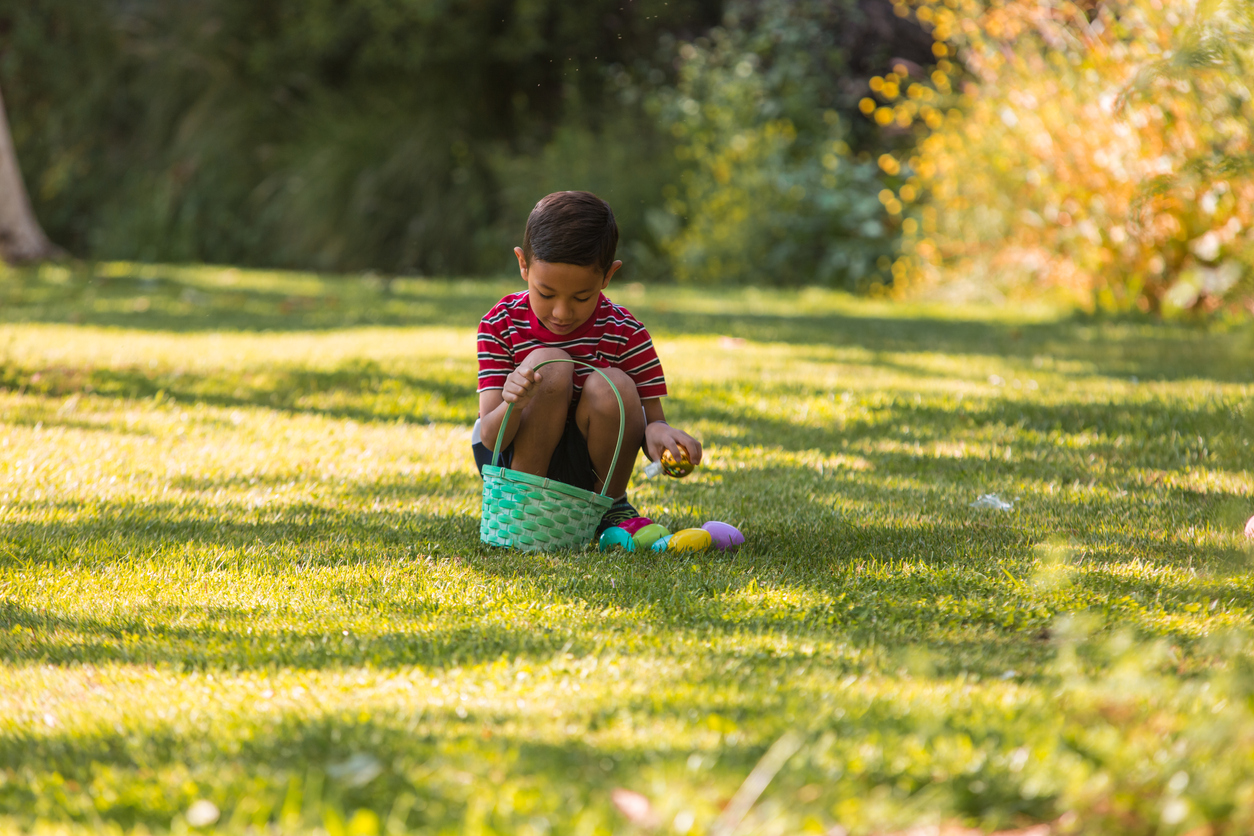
241 586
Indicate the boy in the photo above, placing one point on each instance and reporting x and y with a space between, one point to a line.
565 419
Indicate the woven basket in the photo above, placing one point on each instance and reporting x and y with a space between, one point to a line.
532 513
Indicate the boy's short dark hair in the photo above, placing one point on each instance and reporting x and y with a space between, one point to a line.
572 228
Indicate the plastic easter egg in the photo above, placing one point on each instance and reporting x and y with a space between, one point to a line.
725 536
1249 529
615 537
634 524
660 544
690 540
647 536
676 468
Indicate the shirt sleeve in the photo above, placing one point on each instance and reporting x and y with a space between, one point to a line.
496 358
640 361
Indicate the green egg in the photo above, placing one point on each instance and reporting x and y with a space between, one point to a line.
648 535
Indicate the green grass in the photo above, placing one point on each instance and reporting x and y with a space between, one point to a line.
241 586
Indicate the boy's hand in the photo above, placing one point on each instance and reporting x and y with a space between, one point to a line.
659 436
521 387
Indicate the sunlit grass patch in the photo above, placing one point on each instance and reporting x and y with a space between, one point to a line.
241 583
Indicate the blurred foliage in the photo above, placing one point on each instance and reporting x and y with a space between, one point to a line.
770 191
1100 153
414 137
355 135
621 157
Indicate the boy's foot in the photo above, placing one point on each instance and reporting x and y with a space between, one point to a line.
620 511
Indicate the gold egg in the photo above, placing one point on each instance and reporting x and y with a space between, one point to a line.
676 468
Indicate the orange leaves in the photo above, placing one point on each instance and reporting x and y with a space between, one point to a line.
1080 161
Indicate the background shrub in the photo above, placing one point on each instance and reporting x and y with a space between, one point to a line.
343 135
769 192
412 138
1101 154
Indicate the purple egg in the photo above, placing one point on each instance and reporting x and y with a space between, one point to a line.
724 536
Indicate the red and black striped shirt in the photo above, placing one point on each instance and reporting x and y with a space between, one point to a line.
611 338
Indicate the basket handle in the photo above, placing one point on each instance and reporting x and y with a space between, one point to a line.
622 417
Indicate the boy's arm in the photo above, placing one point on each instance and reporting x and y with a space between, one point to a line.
659 435
491 411
519 390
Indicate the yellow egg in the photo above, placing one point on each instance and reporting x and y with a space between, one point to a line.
689 540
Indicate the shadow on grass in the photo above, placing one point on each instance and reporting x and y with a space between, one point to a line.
222 640
1113 347
1157 433
937 577
173 304
455 485
48 416
360 391
450 765
335 764
302 533
874 514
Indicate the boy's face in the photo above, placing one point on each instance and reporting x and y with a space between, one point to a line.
562 296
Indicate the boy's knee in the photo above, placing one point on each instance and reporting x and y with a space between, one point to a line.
540 355
601 396
555 378
553 371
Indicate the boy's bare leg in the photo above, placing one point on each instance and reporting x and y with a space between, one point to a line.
597 418
544 419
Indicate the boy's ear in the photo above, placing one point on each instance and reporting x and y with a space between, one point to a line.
522 262
609 273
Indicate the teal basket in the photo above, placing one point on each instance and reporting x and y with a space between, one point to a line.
531 513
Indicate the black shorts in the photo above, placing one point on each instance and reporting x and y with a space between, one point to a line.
570 462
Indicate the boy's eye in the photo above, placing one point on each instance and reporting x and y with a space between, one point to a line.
546 295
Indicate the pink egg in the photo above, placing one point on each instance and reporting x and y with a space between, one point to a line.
724 536
1249 528
634 524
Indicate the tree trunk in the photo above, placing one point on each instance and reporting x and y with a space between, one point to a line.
21 238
